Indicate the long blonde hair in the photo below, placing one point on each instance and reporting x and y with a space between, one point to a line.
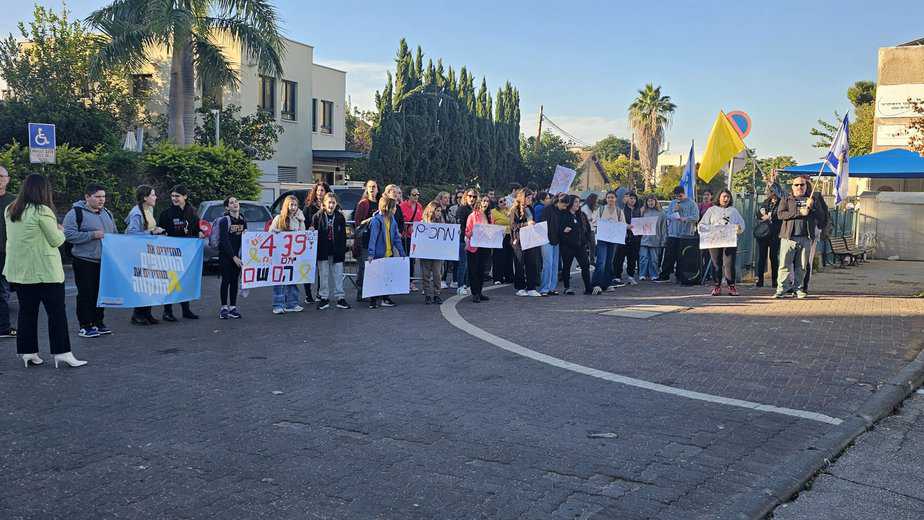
284 213
387 206
429 211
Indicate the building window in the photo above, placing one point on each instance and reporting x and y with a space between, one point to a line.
268 95
141 85
289 100
314 114
327 117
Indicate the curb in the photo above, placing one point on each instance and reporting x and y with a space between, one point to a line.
782 485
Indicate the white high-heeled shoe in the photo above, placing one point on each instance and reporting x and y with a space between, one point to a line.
69 360
31 358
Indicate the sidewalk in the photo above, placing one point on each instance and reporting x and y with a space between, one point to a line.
881 476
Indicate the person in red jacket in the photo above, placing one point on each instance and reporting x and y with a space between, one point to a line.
362 216
412 211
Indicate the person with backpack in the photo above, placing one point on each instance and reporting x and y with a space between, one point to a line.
285 297
34 266
331 227
180 220
84 227
723 258
384 241
313 205
230 229
140 221
362 217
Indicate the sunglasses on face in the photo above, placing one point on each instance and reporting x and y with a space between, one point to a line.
798 185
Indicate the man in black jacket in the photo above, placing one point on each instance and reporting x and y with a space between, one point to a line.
798 214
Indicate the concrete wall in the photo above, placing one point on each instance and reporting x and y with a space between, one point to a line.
897 222
897 66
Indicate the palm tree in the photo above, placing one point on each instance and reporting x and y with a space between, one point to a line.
649 117
190 31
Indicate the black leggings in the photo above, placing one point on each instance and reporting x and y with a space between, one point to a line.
230 274
526 268
723 260
627 252
568 255
476 265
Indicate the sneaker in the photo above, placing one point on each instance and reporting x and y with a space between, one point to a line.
309 299
553 293
661 279
596 291
462 291
234 314
427 300
620 284
89 332
484 298
373 304
323 304
297 308
223 313
454 285
103 329
632 281
534 293
544 294
497 282
617 281
342 304
801 295
444 285
642 278
779 294
717 291
278 310
522 292
11 333
476 299
386 302
437 300
569 292
732 290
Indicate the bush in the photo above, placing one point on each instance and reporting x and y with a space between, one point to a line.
209 172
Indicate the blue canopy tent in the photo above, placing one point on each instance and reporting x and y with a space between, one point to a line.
889 164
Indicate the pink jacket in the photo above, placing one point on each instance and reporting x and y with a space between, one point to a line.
413 212
477 217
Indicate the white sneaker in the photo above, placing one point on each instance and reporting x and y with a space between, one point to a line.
618 281
522 292
632 281
278 310
443 285
297 308
642 278
597 291
534 293
453 285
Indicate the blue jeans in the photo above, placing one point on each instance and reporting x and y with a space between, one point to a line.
549 268
285 296
461 275
603 266
648 262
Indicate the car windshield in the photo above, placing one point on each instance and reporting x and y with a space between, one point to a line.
349 197
250 212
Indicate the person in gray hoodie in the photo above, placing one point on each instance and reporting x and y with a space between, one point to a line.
652 246
84 227
682 216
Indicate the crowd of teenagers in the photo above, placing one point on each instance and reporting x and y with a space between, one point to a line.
787 227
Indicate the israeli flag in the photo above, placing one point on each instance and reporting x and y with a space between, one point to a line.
688 179
838 160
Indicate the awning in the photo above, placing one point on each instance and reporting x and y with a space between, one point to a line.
336 155
889 164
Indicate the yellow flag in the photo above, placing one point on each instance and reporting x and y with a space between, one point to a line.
723 144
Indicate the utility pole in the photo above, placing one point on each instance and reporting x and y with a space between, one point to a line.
539 132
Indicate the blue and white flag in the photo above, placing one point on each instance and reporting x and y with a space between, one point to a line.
838 160
146 270
688 179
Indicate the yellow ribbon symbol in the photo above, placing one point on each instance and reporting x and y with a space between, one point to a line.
174 284
253 255
304 270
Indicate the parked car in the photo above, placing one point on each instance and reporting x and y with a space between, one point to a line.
348 196
258 218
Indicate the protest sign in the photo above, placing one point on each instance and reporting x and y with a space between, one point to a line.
435 241
385 276
642 226
147 270
278 258
488 236
611 231
718 235
561 180
534 236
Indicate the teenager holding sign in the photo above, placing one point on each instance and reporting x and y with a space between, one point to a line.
651 246
502 259
331 227
180 220
313 205
606 251
140 221
478 258
525 263
384 240
723 258
431 270
285 297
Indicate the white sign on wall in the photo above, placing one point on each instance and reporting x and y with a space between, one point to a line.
892 100
892 135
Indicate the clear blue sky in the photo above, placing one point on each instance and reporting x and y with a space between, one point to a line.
787 63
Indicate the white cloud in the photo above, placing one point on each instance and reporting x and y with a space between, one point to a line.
362 80
588 129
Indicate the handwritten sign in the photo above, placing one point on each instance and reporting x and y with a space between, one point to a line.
561 180
283 258
386 276
488 236
612 231
642 226
534 236
435 241
717 236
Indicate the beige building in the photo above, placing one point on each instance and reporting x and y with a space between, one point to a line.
308 101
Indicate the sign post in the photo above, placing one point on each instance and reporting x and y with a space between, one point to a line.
42 145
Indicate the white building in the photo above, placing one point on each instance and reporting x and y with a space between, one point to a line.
308 101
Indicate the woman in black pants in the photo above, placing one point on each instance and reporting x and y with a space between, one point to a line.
180 220
312 207
628 253
525 263
230 231
478 257
767 233
575 235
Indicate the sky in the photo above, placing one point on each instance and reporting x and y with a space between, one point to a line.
786 63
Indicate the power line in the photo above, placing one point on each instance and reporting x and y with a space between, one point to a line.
564 132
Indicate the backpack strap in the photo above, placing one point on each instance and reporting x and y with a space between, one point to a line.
78 216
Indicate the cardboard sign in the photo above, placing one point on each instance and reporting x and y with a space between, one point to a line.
488 236
611 231
387 276
719 235
642 226
435 241
281 258
534 236
561 180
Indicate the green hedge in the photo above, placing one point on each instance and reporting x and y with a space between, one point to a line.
209 172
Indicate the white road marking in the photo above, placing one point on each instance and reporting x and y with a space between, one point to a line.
448 308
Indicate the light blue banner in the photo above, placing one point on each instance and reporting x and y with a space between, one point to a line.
144 270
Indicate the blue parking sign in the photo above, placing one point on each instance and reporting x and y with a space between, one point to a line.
42 143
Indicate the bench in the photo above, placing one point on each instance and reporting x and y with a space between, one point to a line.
841 252
858 251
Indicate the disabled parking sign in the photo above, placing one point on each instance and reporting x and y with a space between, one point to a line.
42 144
